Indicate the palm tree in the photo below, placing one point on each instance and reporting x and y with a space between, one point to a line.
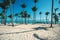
59 15
56 18
47 13
59 1
35 1
28 17
10 16
1 17
0 14
4 6
23 6
40 15
34 16
34 10
52 12
11 10
53 16
21 14
16 16
25 15
55 12
13 1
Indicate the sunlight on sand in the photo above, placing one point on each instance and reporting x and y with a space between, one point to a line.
30 32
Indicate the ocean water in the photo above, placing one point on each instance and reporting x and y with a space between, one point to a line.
31 21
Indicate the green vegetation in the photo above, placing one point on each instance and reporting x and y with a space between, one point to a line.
24 14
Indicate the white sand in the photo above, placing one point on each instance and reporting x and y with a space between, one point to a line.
25 32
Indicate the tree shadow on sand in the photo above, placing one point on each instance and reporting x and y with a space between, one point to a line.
33 29
40 28
39 38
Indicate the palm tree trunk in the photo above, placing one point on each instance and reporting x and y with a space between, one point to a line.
34 18
55 16
4 19
22 20
16 19
52 12
11 13
1 20
40 18
35 15
46 18
25 20
59 19
19 19
28 20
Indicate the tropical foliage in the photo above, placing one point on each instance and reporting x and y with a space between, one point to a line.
40 16
47 13
24 13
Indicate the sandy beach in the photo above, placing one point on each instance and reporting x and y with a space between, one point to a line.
30 32
29 19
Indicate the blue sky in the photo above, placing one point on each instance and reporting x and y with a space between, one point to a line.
42 5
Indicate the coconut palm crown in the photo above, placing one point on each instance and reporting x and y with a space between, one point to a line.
59 14
35 1
34 9
23 5
46 13
40 13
